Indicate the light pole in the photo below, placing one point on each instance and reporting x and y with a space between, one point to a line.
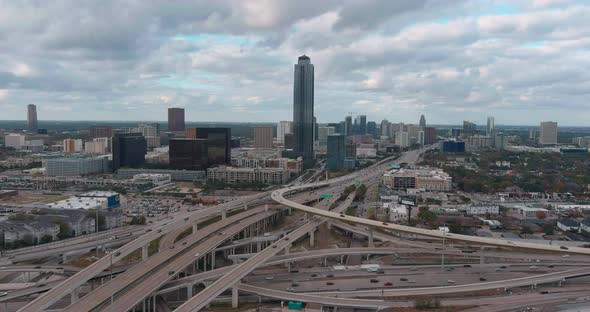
96 221
111 274
442 263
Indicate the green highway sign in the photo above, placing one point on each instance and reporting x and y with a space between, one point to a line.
324 196
357 182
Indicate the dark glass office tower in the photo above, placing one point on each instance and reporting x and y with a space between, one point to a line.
218 145
336 151
188 154
32 118
176 119
129 150
303 97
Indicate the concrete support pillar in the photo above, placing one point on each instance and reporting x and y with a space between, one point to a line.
289 210
74 296
195 227
64 258
482 259
312 238
144 252
329 226
245 206
223 214
265 207
213 260
258 247
189 291
234 297
371 237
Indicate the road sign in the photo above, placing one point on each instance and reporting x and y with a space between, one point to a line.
324 196
357 182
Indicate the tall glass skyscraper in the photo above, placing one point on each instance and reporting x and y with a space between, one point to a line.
32 117
303 94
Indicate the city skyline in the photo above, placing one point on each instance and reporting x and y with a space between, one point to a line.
236 68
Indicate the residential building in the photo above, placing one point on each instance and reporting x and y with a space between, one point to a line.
336 151
188 154
303 108
263 137
272 176
385 128
98 146
480 141
532 134
469 128
101 132
14 140
176 119
128 150
73 145
283 127
501 141
32 118
76 166
548 133
482 209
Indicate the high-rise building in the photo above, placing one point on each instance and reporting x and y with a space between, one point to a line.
500 141
315 128
491 125
336 151
348 126
421 137
32 117
429 135
469 128
14 140
150 133
101 132
422 121
283 127
385 125
263 137
129 150
323 133
188 154
548 133
532 134
289 141
218 145
360 123
303 107
176 119
73 145
372 128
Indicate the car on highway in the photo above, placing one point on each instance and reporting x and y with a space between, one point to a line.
563 247
330 275
411 281
414 269
3 268
269 278
290 289
329 283
294 284
4 293
403 279
37 267
171 272
40 285
388 284
532 267
483 279
565 256
451 281
314 275
374 280
467 265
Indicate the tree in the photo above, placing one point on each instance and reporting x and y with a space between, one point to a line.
64 229
426 215
548 229
541 215
455 228
361 191
46 239
138 220
526 230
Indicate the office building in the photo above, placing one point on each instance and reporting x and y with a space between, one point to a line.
385 128
469 128
548 133
491 125
14 140
283 127
430 135
532 134
452 147
129 150
336 151
402 139
218 145
360 124
500 141
421 137
315 128
323 134
75 166
263 137
372 128
73 145
176 119
289 141
348 127
32 118
188 154
303 107
101 132
425 178
422 121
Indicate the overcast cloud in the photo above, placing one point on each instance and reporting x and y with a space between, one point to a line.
520 61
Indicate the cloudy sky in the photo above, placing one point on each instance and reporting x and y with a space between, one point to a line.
520 61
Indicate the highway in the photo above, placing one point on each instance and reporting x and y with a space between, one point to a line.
204 297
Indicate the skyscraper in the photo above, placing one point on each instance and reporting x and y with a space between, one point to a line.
129 150
303 105
218 145
32 117
336 151
188 154
101 132
348 125
548 133
283 127
176 119
372 128
263 137
323 133
385 127
360 123
422 121
491 125
469 128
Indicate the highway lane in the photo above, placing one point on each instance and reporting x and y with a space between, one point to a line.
47 299
122 282
159 277
204 297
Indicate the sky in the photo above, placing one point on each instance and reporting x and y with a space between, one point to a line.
232 60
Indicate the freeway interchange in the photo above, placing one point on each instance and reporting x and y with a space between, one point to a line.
177 264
